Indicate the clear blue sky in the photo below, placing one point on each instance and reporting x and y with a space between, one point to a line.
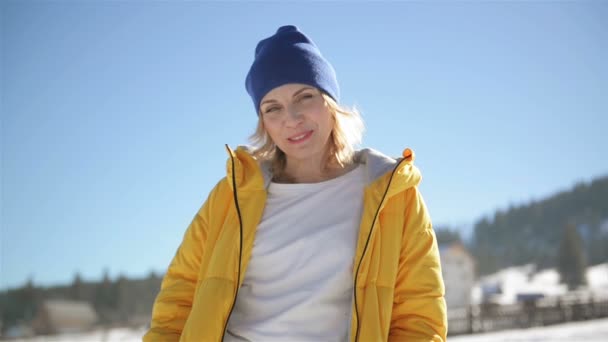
115 114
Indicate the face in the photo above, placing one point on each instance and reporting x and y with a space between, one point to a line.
298 121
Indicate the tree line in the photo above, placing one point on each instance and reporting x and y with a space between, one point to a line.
568 230
117 302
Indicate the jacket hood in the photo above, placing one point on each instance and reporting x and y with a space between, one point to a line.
251 174
382 170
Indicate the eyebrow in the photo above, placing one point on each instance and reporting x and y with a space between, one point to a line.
294 94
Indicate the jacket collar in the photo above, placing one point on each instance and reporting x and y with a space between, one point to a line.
379 170
250 174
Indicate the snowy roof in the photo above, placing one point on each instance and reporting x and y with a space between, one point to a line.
525 280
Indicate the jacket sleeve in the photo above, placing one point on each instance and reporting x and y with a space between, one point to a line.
174 301
419 309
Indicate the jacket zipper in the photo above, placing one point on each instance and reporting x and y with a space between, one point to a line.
366 244
238 211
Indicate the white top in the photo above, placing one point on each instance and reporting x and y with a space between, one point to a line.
299 283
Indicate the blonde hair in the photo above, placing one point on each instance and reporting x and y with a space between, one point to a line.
346 134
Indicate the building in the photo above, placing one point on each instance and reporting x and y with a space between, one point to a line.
458 270
64 316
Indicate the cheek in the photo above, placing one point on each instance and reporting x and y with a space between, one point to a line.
324 120
272 129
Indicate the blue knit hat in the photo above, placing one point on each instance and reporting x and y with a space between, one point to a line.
289 56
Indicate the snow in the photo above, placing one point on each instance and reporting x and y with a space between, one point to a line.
112 335
505 285
588 331
597 277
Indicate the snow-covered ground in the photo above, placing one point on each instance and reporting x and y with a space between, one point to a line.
112 335
587 331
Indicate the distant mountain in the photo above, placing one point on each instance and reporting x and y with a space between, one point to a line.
531 233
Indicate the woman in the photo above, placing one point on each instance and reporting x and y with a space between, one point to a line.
305 239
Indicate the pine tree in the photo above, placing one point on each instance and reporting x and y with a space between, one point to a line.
77 288
105 299
572 262
447 235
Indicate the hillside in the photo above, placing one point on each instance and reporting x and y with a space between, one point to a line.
531 233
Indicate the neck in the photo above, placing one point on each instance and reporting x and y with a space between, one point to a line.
304 172
311 171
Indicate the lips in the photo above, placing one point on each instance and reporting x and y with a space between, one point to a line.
300 137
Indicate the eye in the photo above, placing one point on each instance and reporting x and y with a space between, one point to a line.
271 109
306 96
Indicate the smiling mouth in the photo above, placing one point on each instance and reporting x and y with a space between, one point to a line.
300 138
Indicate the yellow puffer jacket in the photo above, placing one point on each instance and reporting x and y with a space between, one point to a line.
398 288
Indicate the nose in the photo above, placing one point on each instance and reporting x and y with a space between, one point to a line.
294 117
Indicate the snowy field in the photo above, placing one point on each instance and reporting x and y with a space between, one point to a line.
113 335
588 331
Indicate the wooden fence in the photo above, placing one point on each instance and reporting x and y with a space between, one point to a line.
525 314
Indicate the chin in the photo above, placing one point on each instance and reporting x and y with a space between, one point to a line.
302 154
